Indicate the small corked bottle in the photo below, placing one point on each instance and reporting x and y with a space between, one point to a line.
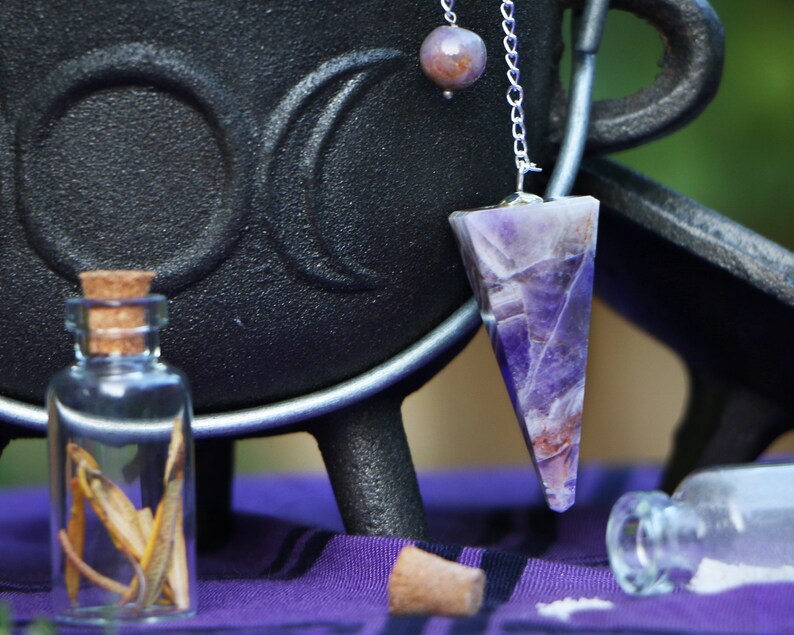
121 462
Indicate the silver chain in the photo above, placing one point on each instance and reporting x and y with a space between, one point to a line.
515 94
449 14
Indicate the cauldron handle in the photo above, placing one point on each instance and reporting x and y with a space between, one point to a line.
691 68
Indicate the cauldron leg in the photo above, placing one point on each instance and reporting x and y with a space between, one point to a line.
723 424
369 463
214 473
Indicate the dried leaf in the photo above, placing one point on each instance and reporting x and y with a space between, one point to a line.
177 574
178 579
146 522
114 509
75 530
81 455
175 463
138 582
157 557
87 571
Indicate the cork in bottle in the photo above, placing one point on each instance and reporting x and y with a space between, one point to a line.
109 326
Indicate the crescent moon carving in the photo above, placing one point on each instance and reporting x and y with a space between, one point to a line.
294 226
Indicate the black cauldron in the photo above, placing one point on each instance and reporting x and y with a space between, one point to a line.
288 170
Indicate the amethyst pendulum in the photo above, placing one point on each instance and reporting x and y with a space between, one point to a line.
531 264
452 57
531 267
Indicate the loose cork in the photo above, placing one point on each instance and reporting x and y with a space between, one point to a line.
116 285
422 583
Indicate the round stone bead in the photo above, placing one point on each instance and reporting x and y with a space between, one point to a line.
453 57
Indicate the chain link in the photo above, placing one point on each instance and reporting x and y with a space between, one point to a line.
449 14
515 93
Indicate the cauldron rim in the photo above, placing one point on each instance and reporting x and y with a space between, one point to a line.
261 419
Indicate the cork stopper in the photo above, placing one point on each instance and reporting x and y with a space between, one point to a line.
422 583
116 285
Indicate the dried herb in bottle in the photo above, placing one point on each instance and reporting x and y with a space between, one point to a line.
121 462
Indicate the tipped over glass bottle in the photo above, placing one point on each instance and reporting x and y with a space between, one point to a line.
121 462
721 528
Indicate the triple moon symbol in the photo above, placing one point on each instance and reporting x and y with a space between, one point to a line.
80 149
134 156
311 113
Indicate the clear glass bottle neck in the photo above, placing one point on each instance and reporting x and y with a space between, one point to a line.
148 352
108 332
653 542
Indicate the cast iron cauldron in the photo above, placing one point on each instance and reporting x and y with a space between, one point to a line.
288 171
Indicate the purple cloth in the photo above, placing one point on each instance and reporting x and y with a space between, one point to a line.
289 570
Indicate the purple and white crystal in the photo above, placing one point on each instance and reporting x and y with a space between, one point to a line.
531 268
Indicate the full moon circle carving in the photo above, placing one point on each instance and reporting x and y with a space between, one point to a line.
97 180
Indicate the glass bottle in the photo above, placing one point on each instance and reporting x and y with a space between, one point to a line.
121 470
722 527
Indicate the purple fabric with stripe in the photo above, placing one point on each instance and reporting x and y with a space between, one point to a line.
289 569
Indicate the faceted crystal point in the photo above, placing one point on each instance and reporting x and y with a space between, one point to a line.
531 268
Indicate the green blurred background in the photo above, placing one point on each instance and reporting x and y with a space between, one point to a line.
734 158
